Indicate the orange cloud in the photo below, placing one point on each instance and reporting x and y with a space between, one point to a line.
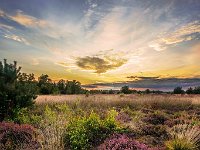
180 35
27 20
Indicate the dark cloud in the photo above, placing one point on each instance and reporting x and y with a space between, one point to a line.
142 77
90 86
99 65
166 84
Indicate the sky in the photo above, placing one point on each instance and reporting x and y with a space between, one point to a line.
105 43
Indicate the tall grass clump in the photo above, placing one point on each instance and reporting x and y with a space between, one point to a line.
53 126
184 137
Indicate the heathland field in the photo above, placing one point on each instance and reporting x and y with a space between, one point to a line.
104 122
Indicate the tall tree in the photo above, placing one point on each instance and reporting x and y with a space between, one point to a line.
16 90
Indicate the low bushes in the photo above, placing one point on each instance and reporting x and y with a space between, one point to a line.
120 142
155 118
14 136
86 132
155 131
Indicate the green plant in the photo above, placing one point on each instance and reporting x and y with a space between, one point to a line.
24 116
86 132
184 137
17 90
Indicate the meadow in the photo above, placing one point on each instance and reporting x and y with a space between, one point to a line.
104 122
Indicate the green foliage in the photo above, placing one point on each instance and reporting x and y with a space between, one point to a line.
110 121
46 86
17 90
85 132
25 117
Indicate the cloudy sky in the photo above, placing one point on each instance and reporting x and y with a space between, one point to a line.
142 43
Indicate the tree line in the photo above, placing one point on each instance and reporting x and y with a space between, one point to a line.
190 90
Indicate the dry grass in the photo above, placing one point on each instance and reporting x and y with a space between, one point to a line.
170 102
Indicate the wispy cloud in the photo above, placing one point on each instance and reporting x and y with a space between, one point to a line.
78 39
4 26
28 21
16 38
182 34
24 19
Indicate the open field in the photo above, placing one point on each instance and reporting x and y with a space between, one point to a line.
149 119
119 98
117 122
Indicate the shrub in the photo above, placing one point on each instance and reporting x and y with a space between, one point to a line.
155 130
184 137
25 117
155 119
87 132
123 117
14 136
173 122
122 141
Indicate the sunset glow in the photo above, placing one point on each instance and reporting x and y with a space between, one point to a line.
104 42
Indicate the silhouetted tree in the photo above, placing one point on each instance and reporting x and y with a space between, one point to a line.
125 89
111 91
196 90
178 90
190 91
147 91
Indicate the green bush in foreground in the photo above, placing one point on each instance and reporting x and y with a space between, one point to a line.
85 132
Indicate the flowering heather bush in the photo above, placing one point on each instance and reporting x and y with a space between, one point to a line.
155 119
155 131
173 122
123 117
122 142
14 136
